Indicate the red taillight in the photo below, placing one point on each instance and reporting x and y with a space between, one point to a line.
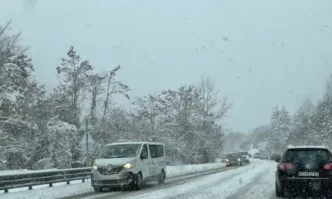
327 166
285 166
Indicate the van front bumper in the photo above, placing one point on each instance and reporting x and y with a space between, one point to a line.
116 180
112 183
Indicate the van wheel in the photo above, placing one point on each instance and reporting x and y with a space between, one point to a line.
138 182
161 179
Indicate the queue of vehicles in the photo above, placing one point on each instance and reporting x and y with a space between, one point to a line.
301 169
236 159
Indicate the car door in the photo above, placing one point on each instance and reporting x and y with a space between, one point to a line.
154 159
145 161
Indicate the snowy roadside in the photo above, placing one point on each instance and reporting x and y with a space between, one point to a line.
264 188
22 171
77 187
220 185
172 171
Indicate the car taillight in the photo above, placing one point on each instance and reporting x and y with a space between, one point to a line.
327 166
285 166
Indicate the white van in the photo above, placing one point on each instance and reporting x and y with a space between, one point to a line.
129 165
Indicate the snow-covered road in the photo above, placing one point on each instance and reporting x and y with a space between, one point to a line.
253 181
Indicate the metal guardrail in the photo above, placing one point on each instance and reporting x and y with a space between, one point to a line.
31 179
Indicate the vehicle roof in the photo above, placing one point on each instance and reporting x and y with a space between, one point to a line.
306 147
118 143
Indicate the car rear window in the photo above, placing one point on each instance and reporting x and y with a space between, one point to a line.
307 154
244 153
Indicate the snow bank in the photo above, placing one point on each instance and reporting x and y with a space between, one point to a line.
172 171
22 171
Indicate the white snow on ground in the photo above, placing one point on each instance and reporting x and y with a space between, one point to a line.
14 172
77 187
220 185
172 171
265 187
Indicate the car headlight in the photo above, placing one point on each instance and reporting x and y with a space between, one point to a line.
239 159
227 160
94 167
128 166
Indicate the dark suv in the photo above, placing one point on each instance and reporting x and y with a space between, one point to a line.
233 159
304 170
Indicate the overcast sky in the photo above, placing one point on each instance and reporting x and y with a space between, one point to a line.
260 53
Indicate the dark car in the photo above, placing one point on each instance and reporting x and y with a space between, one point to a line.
233 159
304 170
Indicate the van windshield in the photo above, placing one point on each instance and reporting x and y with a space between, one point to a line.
120 151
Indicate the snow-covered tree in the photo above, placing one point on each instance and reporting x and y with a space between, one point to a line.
280 129
322 117
61 136
211 108
302 126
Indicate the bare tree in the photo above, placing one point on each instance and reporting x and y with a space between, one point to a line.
95 88
74 73
113 87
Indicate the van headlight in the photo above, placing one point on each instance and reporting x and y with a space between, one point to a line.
94 167
129 166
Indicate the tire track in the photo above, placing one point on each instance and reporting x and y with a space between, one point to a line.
206 186
243 190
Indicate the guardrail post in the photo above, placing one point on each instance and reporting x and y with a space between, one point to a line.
68 182
50 185
30 187
83 180
6 190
